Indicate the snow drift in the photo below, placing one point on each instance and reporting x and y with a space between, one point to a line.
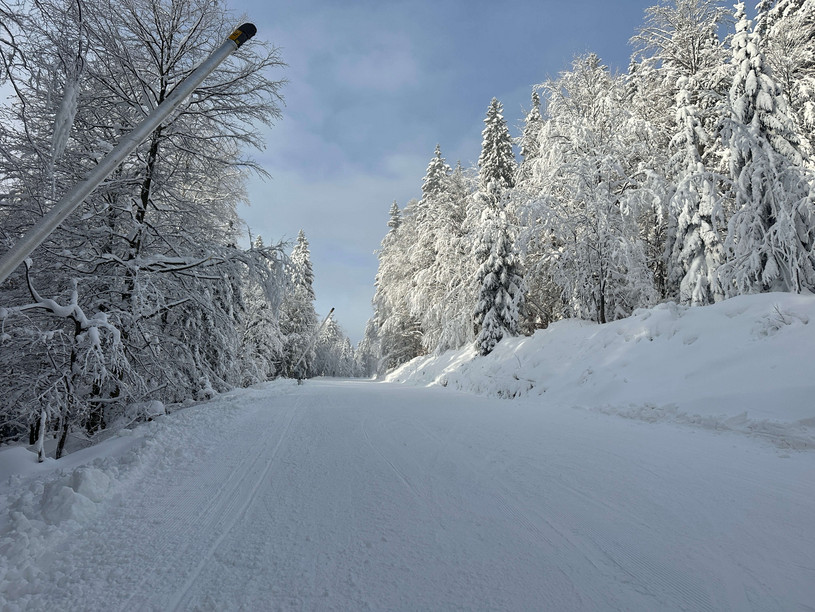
743 364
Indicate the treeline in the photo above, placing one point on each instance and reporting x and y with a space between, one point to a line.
689 178
144 293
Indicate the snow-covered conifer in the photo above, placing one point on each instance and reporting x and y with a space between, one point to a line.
298 319
697 250
677 43
437 170
499 280
772 232
496 163
423 217
500 291
302 273
334 355
530 138
441 258
788 37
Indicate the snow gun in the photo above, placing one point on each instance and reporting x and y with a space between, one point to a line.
35 237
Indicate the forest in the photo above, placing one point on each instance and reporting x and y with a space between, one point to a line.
689 178
144 297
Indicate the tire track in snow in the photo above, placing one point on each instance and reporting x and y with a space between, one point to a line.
649 575
232 512
399 474
189 519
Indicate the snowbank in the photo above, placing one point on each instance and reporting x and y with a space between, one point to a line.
744 364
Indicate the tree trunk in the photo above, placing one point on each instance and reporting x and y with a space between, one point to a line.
41 437
96 418
61 444
70 398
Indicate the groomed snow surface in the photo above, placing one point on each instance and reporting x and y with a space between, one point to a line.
359 495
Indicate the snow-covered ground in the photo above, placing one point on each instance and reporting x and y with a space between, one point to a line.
355 495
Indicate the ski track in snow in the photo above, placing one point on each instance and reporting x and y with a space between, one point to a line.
354 495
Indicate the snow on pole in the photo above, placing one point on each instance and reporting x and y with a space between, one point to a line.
25 245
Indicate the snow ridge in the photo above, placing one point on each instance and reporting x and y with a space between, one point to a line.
740 365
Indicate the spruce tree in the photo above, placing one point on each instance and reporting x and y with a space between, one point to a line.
530 138
771 235
497 161
676 77
499 279
500 282
697 249
423 215
298 317
394 218
437 171
302 271
787 30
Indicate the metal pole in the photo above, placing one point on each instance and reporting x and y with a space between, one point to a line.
313 340
70 201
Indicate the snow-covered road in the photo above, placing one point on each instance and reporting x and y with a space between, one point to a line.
351 495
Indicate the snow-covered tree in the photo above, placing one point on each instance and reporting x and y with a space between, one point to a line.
499 280
529 141
540 299
367 355
298 319
334 353
681 36
787 31
772 231
500 289
441 295
678 63
496 163
447 314
679 39
301 270
261 345
437 171
154 249
587 196
423 221
697 249
398 330
88 361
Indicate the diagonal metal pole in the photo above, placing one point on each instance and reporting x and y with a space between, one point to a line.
313 340
70 201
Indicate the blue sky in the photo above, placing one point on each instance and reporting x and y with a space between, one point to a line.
374 86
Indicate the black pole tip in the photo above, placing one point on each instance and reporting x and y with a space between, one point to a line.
243 33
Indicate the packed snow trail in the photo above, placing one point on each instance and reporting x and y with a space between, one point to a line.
350 495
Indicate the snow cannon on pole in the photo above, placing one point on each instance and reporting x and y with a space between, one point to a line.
35 237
